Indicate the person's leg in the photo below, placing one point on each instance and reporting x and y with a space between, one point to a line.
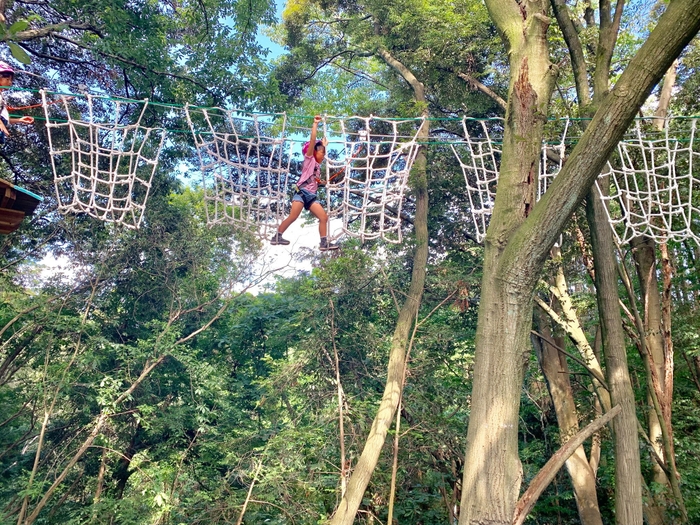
322 217
297 206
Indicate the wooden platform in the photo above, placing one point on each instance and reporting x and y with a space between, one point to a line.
15 204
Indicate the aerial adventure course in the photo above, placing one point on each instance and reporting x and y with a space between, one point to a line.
349 263
245 161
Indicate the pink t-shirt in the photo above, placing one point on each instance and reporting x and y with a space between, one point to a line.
310 171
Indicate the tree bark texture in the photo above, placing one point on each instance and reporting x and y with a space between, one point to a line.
657 352
644 254
362 473
492 470
556 371
520 236
628 481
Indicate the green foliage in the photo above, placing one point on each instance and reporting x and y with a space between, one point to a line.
244 390
347 34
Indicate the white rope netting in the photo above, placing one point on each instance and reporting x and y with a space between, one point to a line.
245 164
367 169
103 159
655 182
654 177
479 156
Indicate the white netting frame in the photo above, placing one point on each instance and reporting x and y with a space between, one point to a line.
112 164
237 190
654 178
375 160
479 162
479 157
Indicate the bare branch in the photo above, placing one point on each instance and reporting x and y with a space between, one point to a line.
483 88
547 473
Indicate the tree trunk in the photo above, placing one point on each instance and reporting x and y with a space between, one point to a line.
357 484
643 251
556 370
492 470
657 352
628 480
520 236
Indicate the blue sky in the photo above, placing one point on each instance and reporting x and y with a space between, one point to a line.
275 49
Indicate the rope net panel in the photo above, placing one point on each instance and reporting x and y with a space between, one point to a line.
479 156
245 164
654 177
367 168
103 158
248 169
654 181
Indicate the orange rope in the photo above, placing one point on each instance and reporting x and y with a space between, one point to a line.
16 108
341 170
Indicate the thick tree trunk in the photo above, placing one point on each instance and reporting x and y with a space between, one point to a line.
357 484
520 237
492 470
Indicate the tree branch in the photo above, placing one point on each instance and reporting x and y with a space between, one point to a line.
547 473
483 88
573 42
49 30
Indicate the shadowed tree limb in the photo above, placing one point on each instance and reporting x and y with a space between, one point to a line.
547 473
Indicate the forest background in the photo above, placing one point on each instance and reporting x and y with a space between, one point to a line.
147 385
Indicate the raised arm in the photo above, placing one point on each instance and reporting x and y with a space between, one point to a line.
312 139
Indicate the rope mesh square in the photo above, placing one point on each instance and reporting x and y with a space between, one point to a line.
244 159
367 168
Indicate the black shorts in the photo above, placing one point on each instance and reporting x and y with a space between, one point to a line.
3 137
307 197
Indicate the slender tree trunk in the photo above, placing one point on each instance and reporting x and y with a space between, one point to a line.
643 252
556 370
656 348
628 481
547 473
357 484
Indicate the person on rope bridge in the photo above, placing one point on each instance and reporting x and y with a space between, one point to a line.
7 75
314 152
